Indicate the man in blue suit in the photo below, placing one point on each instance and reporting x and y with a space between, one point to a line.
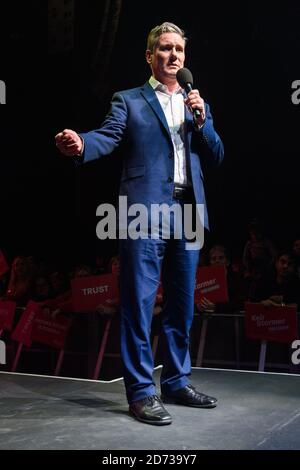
163 144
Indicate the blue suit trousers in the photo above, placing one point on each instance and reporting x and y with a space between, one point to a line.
141 263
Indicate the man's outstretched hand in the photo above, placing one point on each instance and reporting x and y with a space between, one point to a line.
69 143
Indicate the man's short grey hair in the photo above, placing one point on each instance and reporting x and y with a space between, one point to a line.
156 32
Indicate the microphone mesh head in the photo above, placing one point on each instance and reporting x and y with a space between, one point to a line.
184 76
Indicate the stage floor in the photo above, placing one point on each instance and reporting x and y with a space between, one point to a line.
255 411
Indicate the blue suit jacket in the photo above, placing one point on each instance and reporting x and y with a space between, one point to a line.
137 119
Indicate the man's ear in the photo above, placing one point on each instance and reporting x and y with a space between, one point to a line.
148 56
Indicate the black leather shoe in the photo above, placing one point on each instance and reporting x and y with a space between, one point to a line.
150 410
189 396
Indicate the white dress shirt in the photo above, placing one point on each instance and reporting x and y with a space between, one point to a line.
173 108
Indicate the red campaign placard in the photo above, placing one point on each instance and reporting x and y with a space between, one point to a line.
7 313
63 303
51 331
211 283
271 323
89 292
4 267
23 330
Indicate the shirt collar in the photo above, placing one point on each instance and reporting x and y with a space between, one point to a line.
158 86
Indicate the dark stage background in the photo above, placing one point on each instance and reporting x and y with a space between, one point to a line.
244 60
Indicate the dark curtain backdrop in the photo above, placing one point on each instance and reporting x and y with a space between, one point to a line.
244 59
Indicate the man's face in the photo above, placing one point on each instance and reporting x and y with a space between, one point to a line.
218 257
285 266
255 235
20 266
296 247
42 286
167 57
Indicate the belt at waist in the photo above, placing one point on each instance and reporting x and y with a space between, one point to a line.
182 192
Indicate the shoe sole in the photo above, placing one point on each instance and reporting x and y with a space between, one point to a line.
147 421
170 401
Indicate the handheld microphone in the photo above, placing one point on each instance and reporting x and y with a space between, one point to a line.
185 79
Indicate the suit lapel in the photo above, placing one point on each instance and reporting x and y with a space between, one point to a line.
150 96
189 123
189 126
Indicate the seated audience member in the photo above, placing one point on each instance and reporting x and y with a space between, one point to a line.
42 293
83 270
41 289
236 289
111 307
258 247
296 251
114 265
61 292
60 283
283 286
21 280
3 284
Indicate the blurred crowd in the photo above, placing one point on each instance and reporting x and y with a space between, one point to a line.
261 273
